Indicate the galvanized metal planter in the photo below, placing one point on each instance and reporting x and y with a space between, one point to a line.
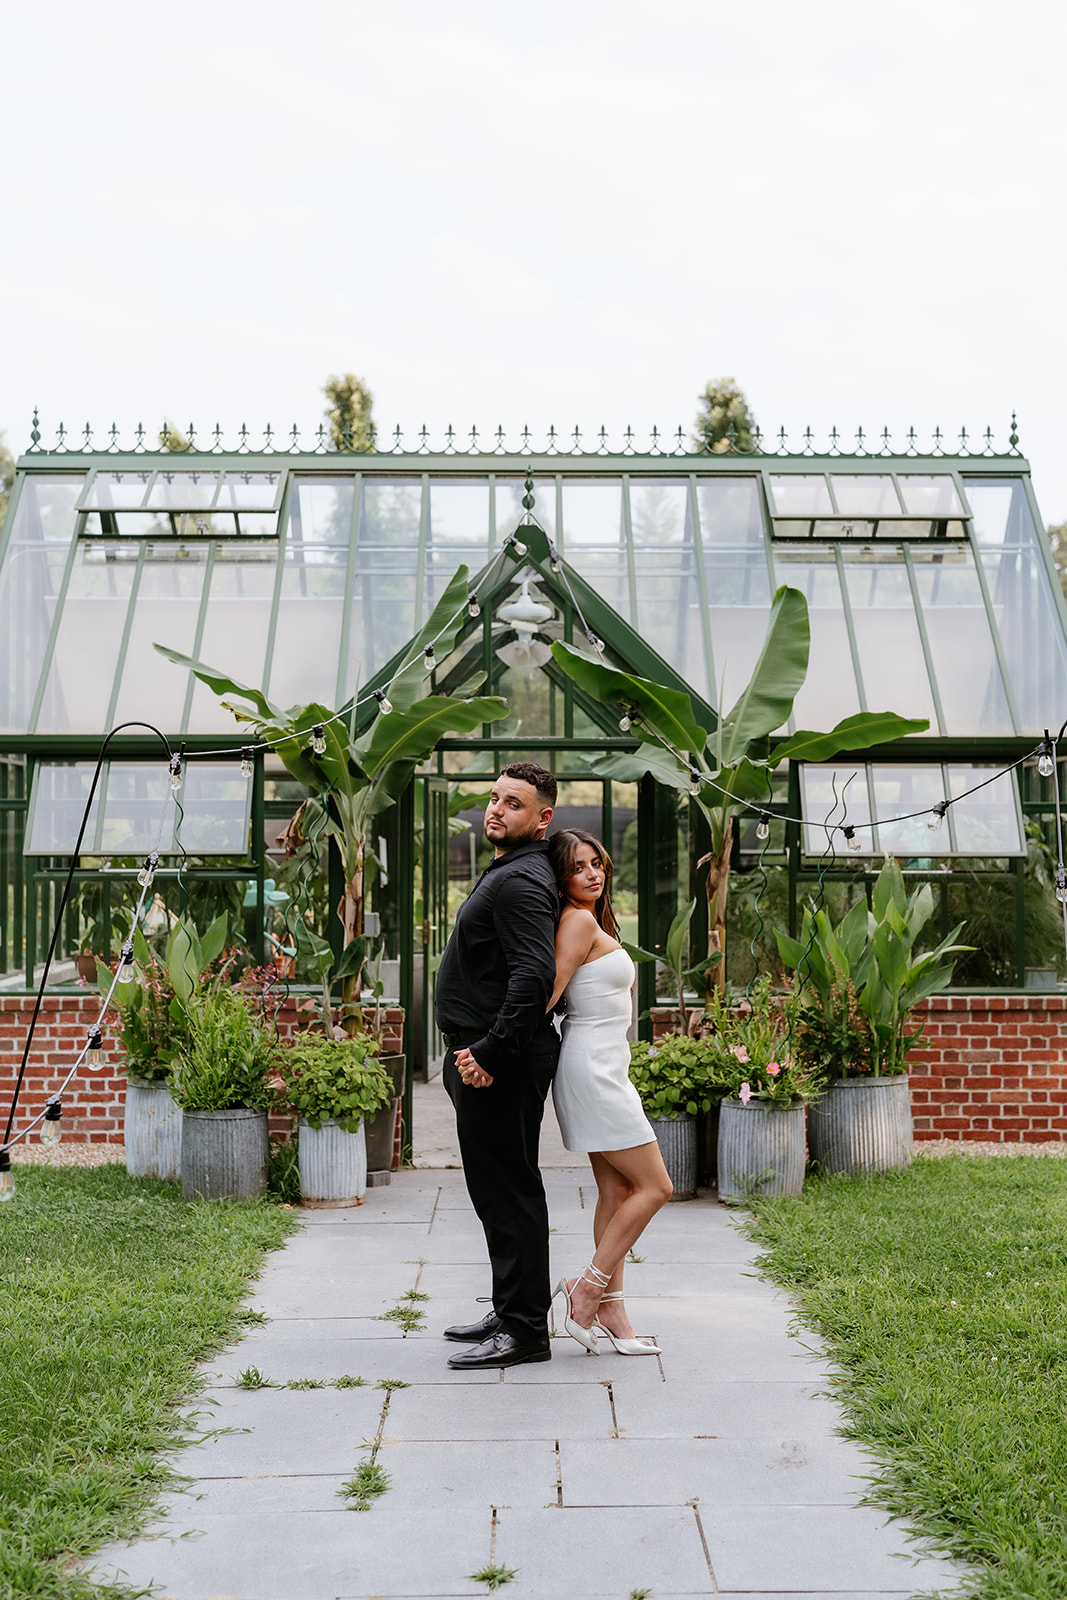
761 1149
862 1125
381 1127
152 1130
333 1165
677 1140
224 1154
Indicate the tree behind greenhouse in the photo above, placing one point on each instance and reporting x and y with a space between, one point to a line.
724 418
349 412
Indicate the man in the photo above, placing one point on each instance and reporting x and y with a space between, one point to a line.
493 987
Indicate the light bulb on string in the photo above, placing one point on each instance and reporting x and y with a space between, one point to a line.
127 972
318 739
429 659
936 816
694 782
176 772
1045 764
473 608
7 1180
385 705
625 721
94 1056
763 828
51 1130
851 840
1061 885
247 758
148 871
517 545
598 644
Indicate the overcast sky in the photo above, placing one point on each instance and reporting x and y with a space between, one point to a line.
568 212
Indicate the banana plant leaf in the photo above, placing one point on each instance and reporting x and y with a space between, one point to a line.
440 629
768 696
412 735
221 683
668 712
852 733
628 767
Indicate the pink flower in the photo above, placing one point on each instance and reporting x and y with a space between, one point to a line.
773 1068
746 1094
739 1051
277 1083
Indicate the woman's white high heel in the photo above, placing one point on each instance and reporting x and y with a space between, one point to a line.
626 1347
585 1336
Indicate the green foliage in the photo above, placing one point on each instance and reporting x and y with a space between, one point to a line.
283 1172
671 1076
368 1484
341 1079
834 1039
7 478
493 1575
940 1293
117 1289
674 959
153 1014
724 420
349 412
874 952
252 1378
410 1318
228 1058
988 909
749 1052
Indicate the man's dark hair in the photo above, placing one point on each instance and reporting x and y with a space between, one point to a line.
540 777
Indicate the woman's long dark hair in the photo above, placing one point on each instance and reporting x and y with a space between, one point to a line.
563 850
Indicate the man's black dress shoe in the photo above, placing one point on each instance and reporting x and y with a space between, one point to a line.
503 1351
475 1332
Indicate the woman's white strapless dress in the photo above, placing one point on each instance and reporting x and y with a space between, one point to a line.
597 1106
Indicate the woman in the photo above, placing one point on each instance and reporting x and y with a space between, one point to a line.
596 1104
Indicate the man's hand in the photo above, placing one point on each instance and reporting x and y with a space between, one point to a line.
471 1072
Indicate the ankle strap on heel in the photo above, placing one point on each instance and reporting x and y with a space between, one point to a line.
594 1276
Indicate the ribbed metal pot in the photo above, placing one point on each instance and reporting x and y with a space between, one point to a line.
224 1154
677 1140
862 1125
152 1130
381 1127
333 1165
761 1149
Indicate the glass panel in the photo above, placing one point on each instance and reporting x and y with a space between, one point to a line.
594 539
668 611
255 490
131 525
168 604
739 602
132 800
386 575
216 805
182 489
905 530
888 641
29 581
459 515
865 495
961 645
821 791
307 641
82 674
235 629
933 496
730 514
899 790
829 691
1024 603
987 823
118 489
841 529
57 801
800 495
509 508
659 512
320 511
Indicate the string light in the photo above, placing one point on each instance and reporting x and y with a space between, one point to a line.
517 545
853 843
51 1132
598 644
763 828
127 971
247 758
95 1053
694 782
318 739
937 816
176 772
1061 884
148 871
1045 764
473 608
624 723
385 705
7 1181
429 660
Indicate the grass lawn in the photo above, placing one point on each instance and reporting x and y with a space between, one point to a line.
942 1294
112 1288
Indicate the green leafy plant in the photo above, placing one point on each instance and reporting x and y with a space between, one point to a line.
392 1383
410 1318
307 1383
750 1050
493 1575
368 1484
228 1058
347 1381
153 1007
362 770
323 1079
252 1378
873 950
671 1076
726 763
674 959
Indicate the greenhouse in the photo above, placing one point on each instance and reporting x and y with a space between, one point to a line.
306 574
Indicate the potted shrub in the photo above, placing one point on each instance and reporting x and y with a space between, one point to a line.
671 1077
333 1085
764 1089
221 1080
858 983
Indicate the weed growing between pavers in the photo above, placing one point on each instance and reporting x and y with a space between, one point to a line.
942 1293
252 1378
347 1381
114 1287
308 1383
369 1483
410 1318
494 1576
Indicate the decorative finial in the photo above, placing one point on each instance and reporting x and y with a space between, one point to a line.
1013 437
35 430
528 497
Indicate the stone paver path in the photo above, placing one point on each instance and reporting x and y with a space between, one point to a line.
715 1469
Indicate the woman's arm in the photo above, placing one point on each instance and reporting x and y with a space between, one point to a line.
575 937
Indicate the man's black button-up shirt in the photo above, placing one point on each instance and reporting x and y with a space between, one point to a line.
499 967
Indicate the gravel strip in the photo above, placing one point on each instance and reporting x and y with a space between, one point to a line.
66 1155
987 1147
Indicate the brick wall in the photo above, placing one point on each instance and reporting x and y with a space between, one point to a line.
92 1101
992 1067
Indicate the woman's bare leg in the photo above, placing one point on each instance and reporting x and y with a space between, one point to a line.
632 1185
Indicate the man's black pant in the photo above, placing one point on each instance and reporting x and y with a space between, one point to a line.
499 1135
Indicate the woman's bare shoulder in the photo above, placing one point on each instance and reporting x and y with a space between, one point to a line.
577 919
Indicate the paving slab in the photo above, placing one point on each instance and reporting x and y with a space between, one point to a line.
580 1553
282 1355
271 1431
512 1473
501 1411
726 1410
725 1472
